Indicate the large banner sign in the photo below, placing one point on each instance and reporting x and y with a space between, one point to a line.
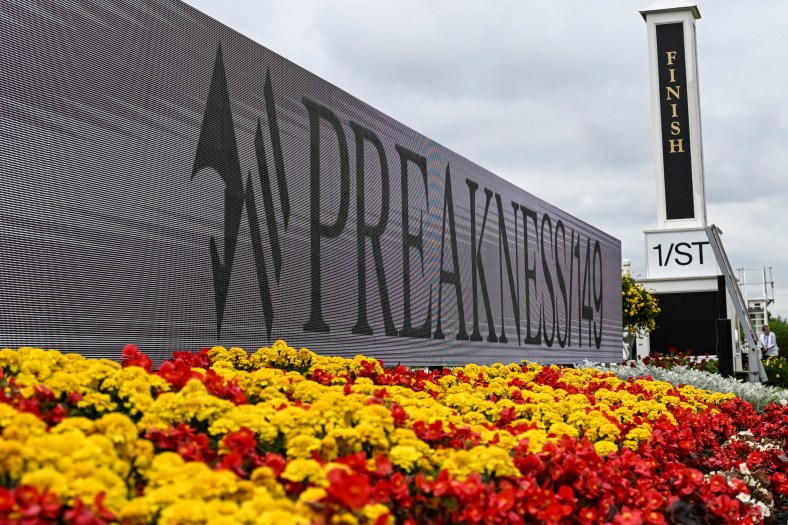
171 183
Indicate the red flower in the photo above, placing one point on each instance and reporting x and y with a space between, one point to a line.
399 414
6 500
81 514
190 445
242 441
717 484
275 461
651 500
508 414
472 513
628 517
565 493
555 513
194 359
503 501
133 357
442 484
724 505
104 512
687 481
74 397
653 517
34 504
433 432
351 490
44 393
383 466
398 485
357 462
177 373
589 515
383 519
218 386
233 462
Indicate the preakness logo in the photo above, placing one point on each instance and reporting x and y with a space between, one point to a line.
218 149
554 273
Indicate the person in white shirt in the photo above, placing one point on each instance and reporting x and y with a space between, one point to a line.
769 342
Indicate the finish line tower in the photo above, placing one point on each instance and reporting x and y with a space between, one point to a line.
685 263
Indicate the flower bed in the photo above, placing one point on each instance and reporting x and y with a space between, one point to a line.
673 358
759 395
287 436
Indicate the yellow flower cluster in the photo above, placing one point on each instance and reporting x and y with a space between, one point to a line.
76 457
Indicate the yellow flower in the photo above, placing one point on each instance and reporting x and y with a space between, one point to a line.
302 446
143 455
344 518
305 470
24 425
329 450
222 512
536 440
374 512
138 511
7 415
9 360
405 457
603 448
83 424
12 458
192 403
46 479
276 516
562 429
265 477
256 418
311 497
88 482
119 429
184 512
637 436
214 483
609 429
492 461
98 401
59 450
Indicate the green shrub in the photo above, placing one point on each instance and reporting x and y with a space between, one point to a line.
777 370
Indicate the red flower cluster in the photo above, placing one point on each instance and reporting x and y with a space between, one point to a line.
178 371
29 506
187 442
43 404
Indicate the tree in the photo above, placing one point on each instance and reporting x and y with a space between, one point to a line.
639 307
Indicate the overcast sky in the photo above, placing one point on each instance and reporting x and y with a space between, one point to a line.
554 97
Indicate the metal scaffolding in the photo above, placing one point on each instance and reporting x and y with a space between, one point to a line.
757 287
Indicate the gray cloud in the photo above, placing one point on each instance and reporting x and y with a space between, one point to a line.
554 97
